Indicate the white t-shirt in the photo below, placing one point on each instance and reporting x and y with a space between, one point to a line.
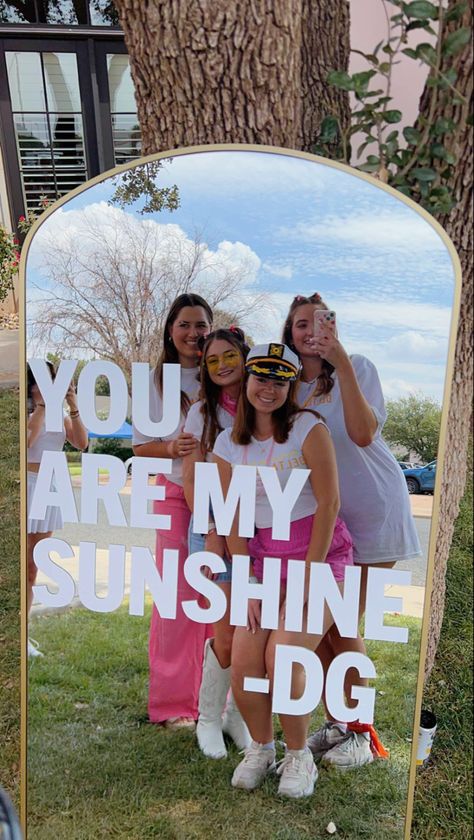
195 421
190 386
285 457
374 498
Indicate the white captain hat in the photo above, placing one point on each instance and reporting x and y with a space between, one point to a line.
274 361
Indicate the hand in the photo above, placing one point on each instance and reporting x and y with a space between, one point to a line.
71 397
328 346
254 615
183 445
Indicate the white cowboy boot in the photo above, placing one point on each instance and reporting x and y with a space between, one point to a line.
234 725
212 696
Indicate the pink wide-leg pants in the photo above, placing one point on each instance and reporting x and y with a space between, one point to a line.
176 646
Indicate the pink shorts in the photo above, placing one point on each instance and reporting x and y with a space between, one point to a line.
339 555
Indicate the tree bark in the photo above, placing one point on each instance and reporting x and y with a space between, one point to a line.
228 72
458 224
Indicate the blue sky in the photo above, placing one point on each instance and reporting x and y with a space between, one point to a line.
300 227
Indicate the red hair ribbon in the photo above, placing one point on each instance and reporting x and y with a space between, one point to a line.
376 745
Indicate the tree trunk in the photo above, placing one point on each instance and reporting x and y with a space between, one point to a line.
458 224
227 72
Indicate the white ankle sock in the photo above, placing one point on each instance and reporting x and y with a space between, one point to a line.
269 746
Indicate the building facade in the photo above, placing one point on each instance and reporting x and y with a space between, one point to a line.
67 107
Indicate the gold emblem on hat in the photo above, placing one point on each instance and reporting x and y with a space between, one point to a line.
276 350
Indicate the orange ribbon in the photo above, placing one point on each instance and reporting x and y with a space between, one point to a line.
376 745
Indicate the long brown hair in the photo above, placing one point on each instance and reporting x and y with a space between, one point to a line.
325 379
282 419
209 392
169 354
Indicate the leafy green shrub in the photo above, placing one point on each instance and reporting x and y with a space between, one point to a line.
112 446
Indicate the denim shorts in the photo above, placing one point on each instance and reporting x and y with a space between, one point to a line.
197 542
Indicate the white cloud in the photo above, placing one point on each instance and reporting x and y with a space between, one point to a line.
284 271
414 345
382 230
159 243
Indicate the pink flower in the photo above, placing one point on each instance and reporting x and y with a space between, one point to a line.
22 219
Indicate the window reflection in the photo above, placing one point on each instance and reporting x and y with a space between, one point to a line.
69 12
125 128
46 105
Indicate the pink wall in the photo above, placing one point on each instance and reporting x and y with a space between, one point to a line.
368 27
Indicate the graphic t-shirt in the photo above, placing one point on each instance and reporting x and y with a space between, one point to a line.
285 457
190 386
375 504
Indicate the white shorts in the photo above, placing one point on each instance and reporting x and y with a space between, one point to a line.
52 521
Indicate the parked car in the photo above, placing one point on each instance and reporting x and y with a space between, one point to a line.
421 479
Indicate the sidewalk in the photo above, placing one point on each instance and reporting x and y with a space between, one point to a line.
9 358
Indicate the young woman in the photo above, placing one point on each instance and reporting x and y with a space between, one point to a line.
39 441
374 498
222 371
175 647
271 430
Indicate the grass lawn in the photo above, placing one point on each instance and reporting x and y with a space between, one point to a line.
9 594
98 769
443 794
76 469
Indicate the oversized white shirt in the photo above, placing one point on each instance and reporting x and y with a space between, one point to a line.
190 386
285 457
375 504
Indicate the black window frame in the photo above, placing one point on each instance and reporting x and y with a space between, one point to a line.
90 48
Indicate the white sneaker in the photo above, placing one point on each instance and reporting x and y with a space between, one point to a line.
325 738
354 751
251 771
33 649
234 725
298 774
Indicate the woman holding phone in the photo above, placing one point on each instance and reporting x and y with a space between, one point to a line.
374 498
40 441
271 430
175 647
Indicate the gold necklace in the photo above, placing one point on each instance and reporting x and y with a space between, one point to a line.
313 393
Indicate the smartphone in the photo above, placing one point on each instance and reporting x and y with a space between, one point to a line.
323 317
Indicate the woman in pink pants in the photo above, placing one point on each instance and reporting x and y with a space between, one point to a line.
176 646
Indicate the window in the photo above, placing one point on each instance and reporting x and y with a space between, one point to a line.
68 12
123 111
48 123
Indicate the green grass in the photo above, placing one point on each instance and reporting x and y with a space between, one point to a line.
9 594
97 769
76 469
443 795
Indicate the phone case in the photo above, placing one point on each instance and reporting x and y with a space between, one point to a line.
324 317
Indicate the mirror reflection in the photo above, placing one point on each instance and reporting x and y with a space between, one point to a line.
308 311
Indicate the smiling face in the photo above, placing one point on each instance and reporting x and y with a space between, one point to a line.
266 395
191 323
302 328
224 363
